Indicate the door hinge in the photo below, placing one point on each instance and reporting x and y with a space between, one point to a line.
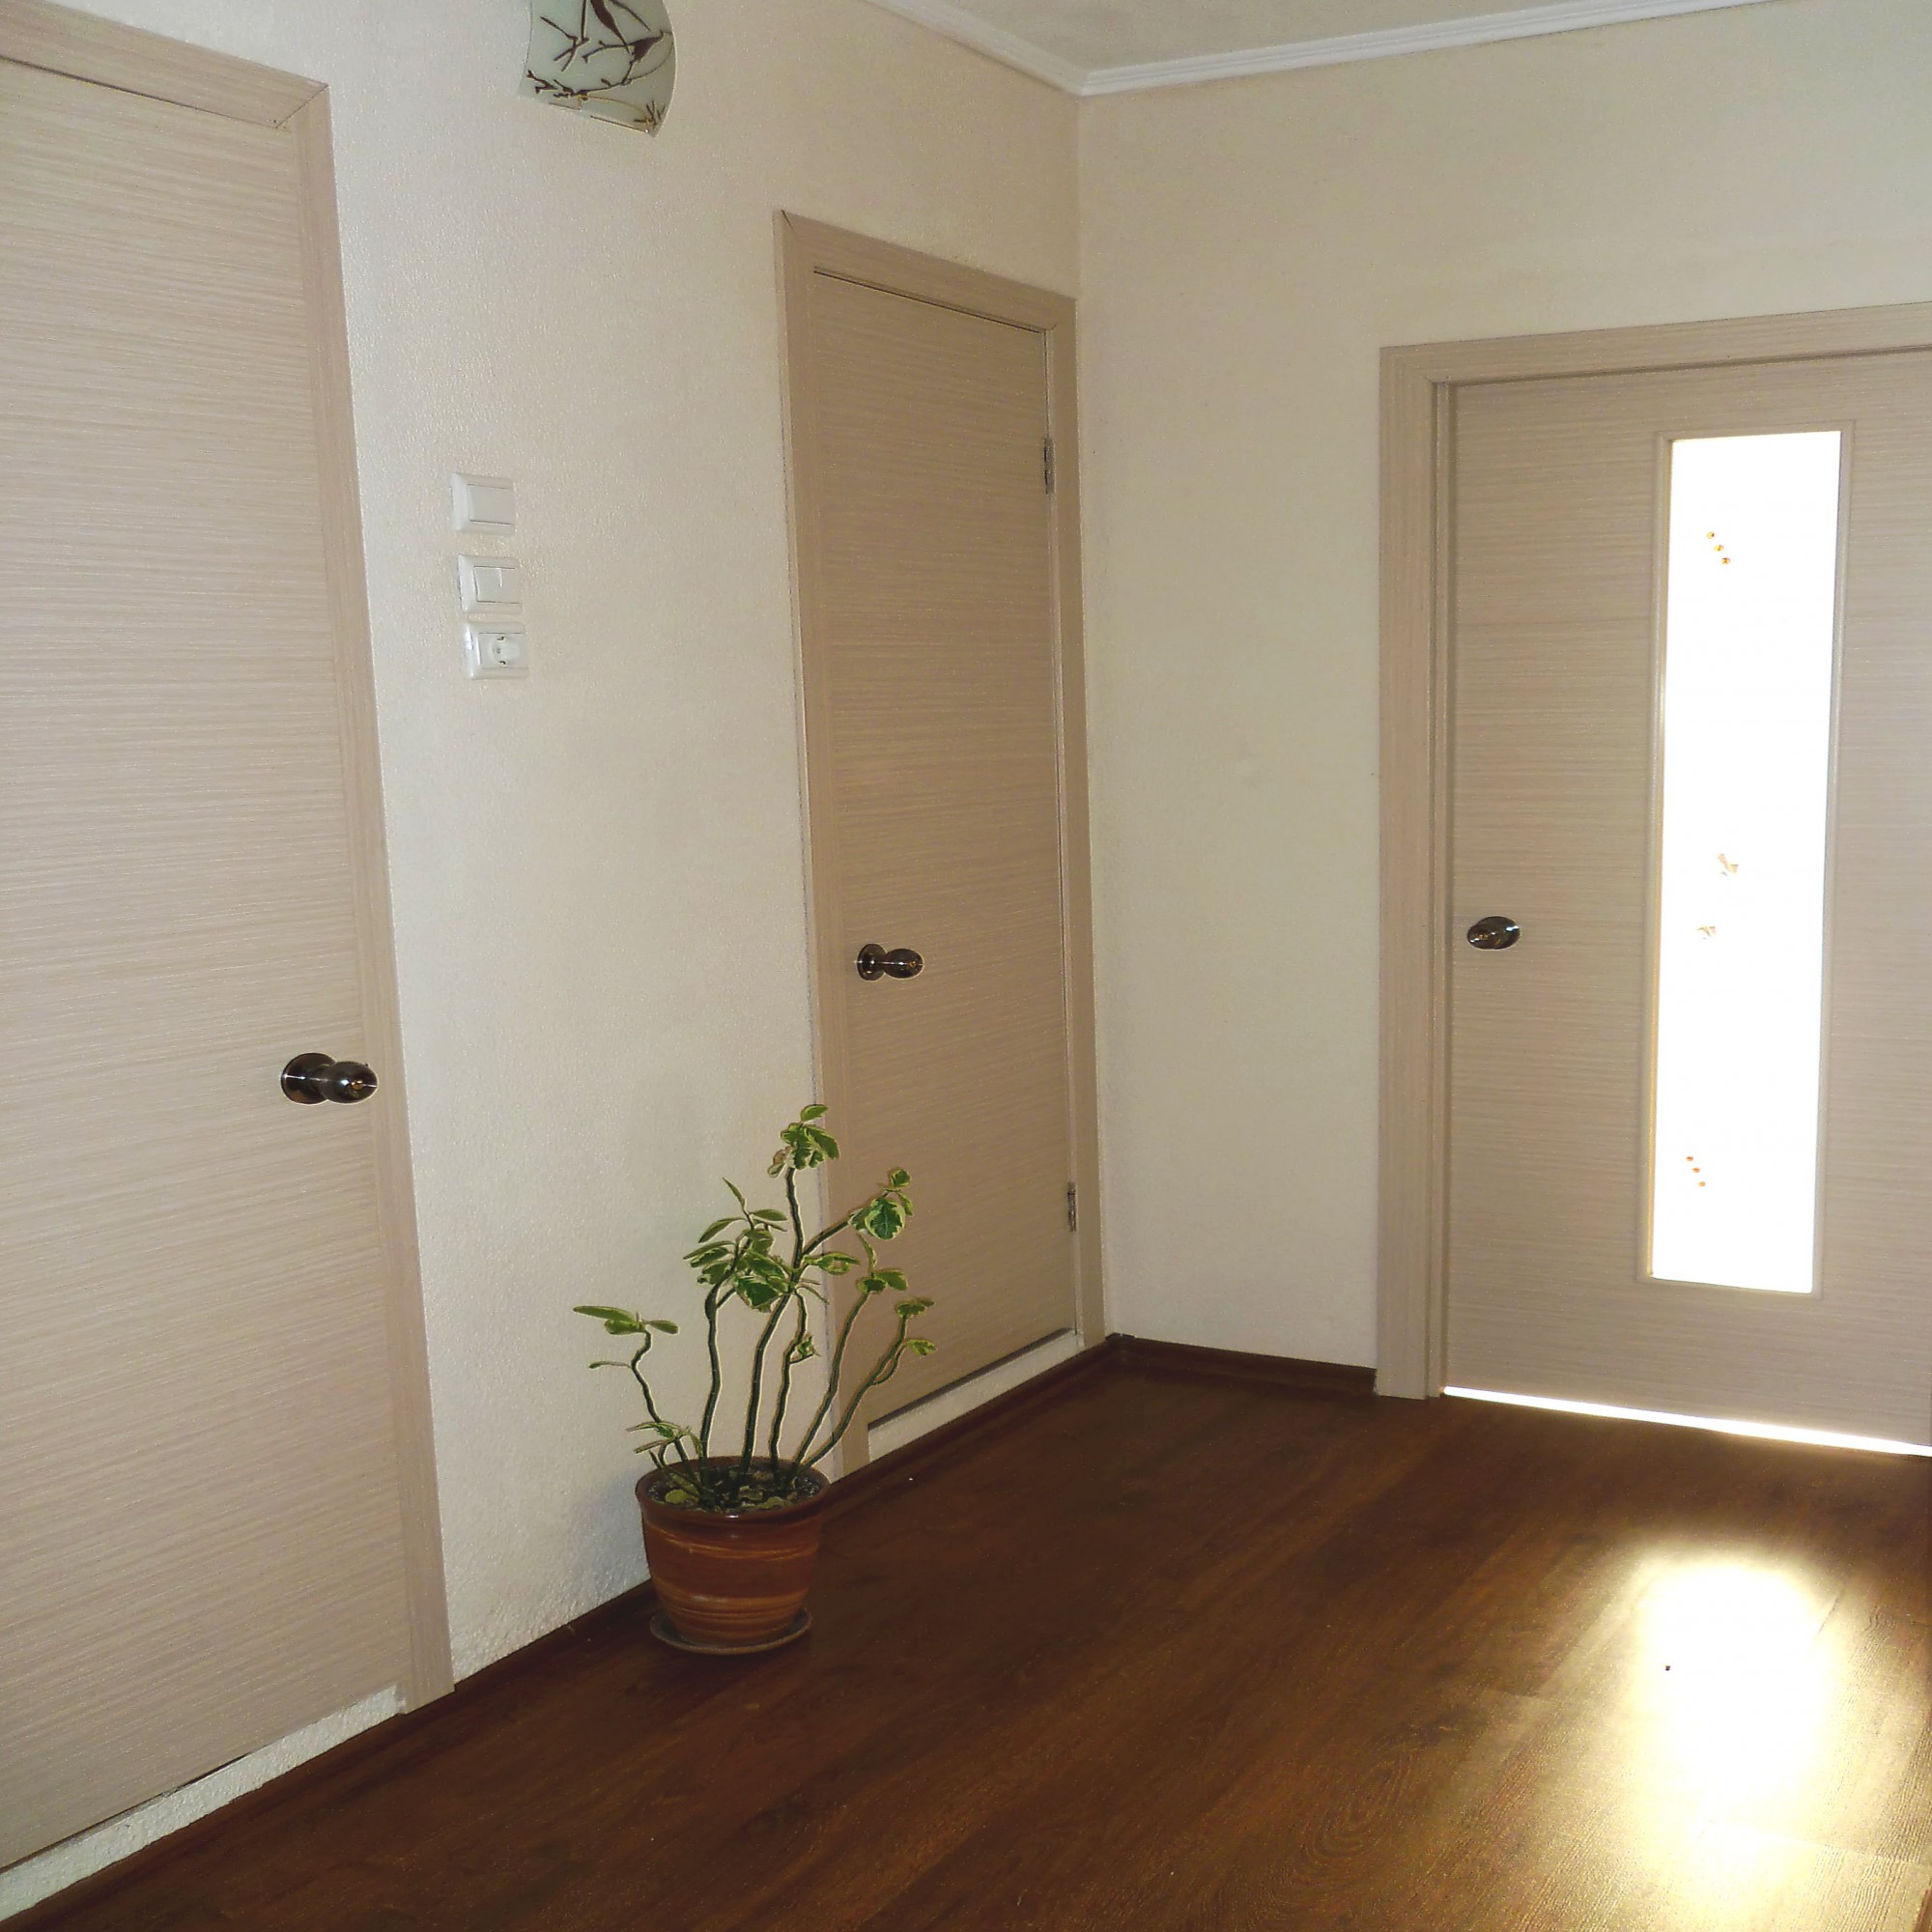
1048 465
1072 1208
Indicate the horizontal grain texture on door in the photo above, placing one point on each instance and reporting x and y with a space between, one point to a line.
1557 576
934 734
200 1532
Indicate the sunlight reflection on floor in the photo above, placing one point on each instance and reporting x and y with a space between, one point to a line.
1736 1683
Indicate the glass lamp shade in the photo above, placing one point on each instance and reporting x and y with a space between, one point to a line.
612 58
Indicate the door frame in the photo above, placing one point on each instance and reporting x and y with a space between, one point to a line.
1418 413
805 249
83 46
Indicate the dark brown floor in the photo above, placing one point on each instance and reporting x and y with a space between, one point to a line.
1179 1655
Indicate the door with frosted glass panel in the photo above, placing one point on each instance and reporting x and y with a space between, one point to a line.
1690 1093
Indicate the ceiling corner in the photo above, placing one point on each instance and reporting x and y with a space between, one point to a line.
983 36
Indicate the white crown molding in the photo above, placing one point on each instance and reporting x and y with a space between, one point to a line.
1521 23
956 25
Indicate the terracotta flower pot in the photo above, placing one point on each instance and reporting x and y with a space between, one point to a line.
735 1580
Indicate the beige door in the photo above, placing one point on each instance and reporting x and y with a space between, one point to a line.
927 563
202 1542
1569 567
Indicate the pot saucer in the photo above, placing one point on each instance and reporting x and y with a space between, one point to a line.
666 1632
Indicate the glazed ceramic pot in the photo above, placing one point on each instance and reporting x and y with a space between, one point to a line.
733 1579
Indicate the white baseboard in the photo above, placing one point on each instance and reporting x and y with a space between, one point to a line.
962 1398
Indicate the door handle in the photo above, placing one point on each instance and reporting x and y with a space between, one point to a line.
311 1078
1493 935
902 962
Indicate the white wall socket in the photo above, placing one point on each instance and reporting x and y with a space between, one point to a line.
495 651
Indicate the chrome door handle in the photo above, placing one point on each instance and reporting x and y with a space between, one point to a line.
311 1078
1493 935
875 962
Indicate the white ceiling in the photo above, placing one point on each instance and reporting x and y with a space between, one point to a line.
1102 46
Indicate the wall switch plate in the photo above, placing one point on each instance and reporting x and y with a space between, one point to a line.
489 585
484 504
495 651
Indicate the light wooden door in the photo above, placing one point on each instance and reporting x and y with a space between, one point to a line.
202 1541
1558 602
931 638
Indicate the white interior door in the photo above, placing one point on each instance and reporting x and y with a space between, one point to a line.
200 1536
1691 1105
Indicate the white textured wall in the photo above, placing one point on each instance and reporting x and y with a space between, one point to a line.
1248 248
598 873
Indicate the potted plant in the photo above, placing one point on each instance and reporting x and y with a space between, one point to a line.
731 1516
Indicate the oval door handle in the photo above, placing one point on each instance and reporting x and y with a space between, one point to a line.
1495 933
902 962
311 1078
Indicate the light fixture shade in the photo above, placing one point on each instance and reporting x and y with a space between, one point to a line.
612 58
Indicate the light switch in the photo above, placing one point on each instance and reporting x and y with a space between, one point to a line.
495 651
489 584
484 504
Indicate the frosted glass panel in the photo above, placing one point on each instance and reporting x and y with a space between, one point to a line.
1748 638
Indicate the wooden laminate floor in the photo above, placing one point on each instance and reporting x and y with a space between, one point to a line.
1185 1655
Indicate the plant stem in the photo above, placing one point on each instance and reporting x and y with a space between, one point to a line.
824 1234
882 1371
837 1364
713 1302
797 1226
759 1381
784 1381
674 1443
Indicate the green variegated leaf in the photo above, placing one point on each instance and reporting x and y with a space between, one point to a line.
774 1215
918 1345
616 1321
884 1218
805 1146
897 1177
917 1306
716 1228
815 1111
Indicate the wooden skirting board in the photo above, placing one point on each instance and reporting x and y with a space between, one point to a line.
1285 1370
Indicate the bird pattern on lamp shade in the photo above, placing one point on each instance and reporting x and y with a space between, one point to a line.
614 59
